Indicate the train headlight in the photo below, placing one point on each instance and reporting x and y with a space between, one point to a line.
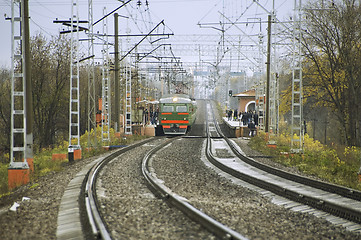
175 99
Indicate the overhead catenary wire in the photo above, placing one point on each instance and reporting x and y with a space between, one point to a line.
48 9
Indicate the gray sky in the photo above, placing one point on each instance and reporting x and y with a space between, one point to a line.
180 16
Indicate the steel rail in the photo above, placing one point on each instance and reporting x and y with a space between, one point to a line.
327 206
220 230
96 221
329 187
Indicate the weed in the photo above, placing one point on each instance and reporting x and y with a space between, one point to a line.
3 178
330 164
43 163
34 185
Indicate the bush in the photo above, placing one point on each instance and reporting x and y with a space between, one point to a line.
43 163
3 178
336 165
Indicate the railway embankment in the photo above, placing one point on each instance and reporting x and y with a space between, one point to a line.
335 164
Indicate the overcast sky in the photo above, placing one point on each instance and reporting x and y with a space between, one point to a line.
180 16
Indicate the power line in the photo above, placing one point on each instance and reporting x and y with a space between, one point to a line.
48 9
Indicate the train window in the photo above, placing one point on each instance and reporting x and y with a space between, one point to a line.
167 108
181 109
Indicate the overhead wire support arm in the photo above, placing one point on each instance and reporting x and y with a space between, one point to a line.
107 15
274 18
256 43
68 21
135 35
231 23
86 58
75 28
147 54
174 57
202 25
136 45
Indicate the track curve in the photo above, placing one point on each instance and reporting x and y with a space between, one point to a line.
220 230
337 200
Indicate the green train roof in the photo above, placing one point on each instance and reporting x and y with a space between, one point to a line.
175 98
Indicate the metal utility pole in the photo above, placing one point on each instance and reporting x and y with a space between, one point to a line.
274 103
21 106
260 89
128 94
274 89
91 79
128 100
128 84
116 74
105 85
161 78
268 74
297 99
29 89
74 103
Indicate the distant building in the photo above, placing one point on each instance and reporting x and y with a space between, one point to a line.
246 100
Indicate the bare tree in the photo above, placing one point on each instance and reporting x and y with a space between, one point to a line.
5 89
50 74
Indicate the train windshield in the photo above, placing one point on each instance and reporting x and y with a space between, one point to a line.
181 109
167 108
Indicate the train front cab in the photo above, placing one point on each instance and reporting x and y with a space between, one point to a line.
174 118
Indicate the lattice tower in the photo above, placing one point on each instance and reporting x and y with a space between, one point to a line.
74 102
297 99
18 85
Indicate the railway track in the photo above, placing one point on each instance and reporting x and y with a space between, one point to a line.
336 200
81 193
232 165
97 222
217 228
95 214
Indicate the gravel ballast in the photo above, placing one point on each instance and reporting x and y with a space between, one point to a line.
36 218
244 210
132 211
